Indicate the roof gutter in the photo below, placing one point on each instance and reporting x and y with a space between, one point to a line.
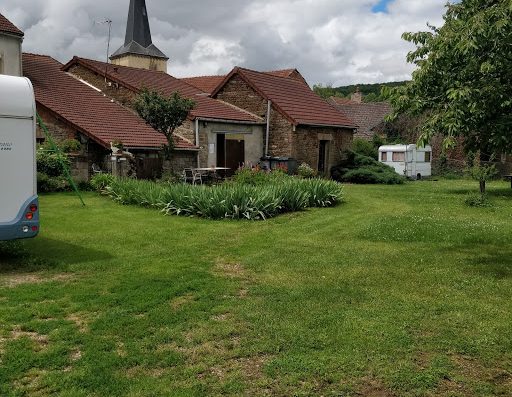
212 120
350 127
160 148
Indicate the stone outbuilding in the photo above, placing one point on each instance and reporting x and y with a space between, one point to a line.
300 124
73 109
225 135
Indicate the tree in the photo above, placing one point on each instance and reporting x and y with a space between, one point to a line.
164 114
463 82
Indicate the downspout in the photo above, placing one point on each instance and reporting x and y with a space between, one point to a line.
267 135
197 141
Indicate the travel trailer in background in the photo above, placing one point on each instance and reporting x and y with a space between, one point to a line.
408 160
19 212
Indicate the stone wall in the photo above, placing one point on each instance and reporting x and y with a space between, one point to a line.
307 143
141 62
239 93
58 128
183 159
90 152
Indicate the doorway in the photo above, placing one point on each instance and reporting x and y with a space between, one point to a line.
323 157
230 152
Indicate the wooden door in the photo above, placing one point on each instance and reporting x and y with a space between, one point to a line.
149 168
235 155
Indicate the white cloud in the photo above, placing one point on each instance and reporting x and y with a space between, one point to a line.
329 41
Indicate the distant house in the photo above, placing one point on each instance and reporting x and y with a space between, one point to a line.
368 116
11 39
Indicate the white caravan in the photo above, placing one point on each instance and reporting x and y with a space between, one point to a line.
19 212
409 160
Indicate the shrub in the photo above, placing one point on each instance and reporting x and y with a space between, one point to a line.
365 170
306 171
51 164
231 200
48 184
258 177
100 181
69 146
365 148
477 200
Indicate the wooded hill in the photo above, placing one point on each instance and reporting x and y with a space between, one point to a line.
371 92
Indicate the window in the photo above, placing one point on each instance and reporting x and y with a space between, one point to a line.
428 157
398 156
384 156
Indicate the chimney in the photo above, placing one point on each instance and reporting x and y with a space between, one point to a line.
357 96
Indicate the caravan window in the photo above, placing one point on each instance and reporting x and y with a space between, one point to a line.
384 156
427 157
398 156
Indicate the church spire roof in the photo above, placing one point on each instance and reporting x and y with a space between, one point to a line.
138 34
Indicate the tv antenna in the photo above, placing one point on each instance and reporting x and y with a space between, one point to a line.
108 22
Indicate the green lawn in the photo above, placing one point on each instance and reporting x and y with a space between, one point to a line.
400 291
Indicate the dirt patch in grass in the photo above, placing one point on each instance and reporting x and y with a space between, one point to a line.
372 387
81 320
40 341
230 270
251 368
180 301
32 384
468 372
15 280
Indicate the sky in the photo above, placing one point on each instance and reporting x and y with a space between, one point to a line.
331 42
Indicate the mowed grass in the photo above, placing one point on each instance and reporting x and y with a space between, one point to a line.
400 291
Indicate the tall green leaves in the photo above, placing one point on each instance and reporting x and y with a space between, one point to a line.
463 83
230 200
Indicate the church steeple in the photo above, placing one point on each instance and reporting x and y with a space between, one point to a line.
138 49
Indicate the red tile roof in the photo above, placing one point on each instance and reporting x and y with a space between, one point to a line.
208 84
135 79
7 26
292 98
335 100
204 83
367 115
88 110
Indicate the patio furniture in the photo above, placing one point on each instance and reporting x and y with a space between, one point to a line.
191 175
210 174
95 169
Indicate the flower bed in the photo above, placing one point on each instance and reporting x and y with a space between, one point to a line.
230 200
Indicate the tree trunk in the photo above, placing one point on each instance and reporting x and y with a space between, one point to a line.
482 187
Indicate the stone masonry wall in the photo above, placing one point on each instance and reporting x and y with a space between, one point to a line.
82 161
239 93
307 141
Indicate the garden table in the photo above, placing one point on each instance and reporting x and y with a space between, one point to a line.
211 172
